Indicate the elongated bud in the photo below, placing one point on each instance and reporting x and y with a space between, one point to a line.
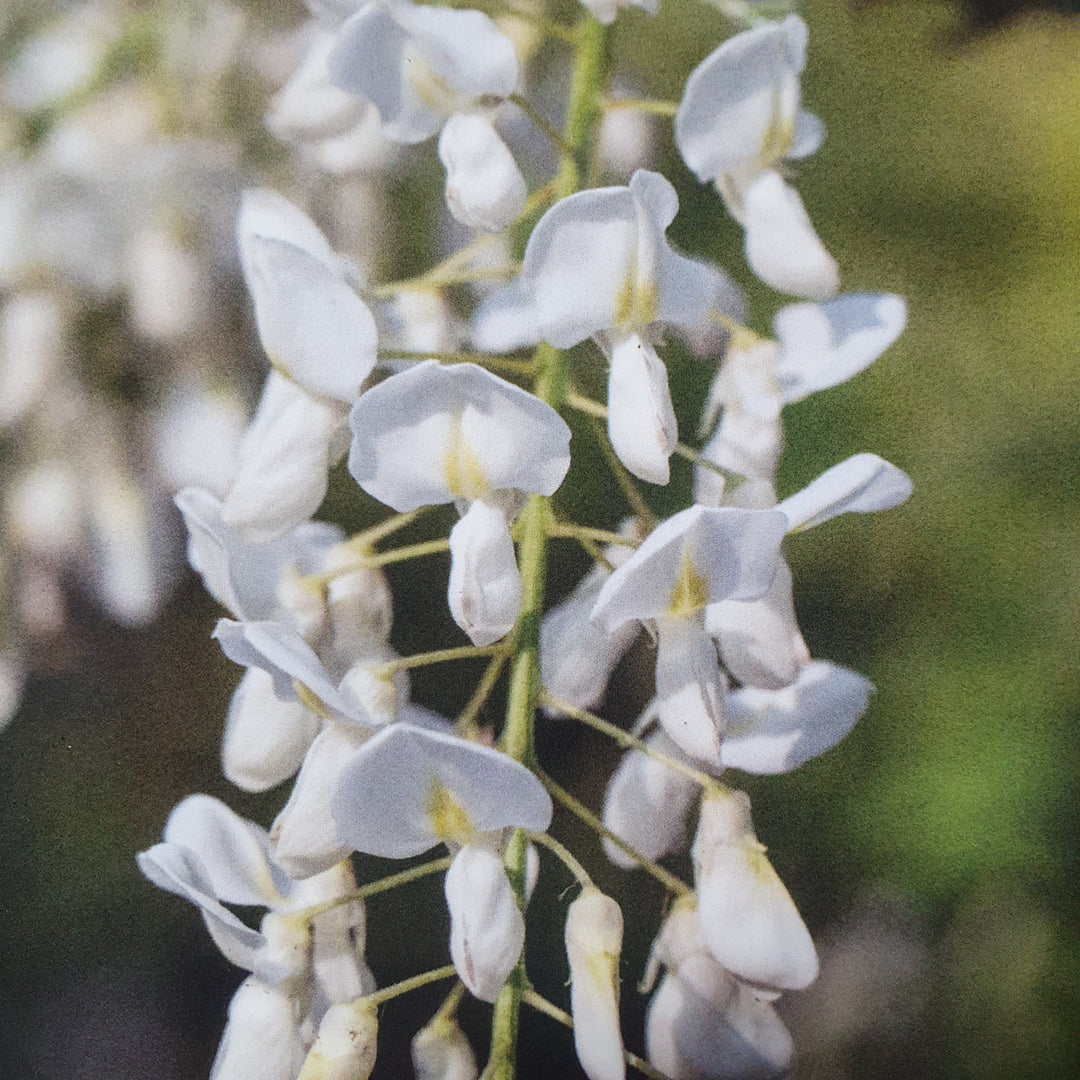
440 1051
594 929
346 1044
748 920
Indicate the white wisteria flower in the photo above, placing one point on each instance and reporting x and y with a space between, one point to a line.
748 919
696 558
438 434
738 120
598 264
428 68
702 1023
440 1051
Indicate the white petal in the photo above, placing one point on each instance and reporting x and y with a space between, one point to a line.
485 585
394 788
641 420
740 103
703 1025
760 641
304 836
266 215
826 344
32 327
730 552
505 321
180 871
313 326
484 187
774 731
781 246
241 575
235 852
283 461
690 688
420 65
577 656
862 484
646 804
278 649
594 931
338 939
748 919
487 931
262 1038
434 434
346 1044
440 1051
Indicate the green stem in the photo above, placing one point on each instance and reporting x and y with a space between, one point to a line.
394 881
563 854
643 105
437 656
406 986
583 115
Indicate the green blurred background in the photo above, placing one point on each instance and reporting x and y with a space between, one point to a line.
934 853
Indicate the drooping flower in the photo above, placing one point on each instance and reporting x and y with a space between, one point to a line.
435 434
738 121
695 558
598 264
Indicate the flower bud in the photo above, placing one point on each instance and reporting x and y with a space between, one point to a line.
594 929
346 1044
440 1051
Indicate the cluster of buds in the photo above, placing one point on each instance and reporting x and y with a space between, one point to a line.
431 409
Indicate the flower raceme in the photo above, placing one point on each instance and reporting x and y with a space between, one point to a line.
410 384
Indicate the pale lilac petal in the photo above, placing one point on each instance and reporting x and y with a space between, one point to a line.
485 585
487 930
484 187
775 731
862 484
394 787
782 247
641 419
823 345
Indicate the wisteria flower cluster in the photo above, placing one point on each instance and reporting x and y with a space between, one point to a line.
453 389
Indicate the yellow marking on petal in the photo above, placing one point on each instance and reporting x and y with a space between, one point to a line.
691 592
310 700
465 476
433 90
779 136
636 303
446 816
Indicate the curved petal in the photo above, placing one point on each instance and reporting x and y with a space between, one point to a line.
748 919
690 688
641 419
484 187
740 104
781 246
433 434
487 930
863 484
646 804
407 788
775 731
265 738
234 852
823 345
485 585
262 1039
